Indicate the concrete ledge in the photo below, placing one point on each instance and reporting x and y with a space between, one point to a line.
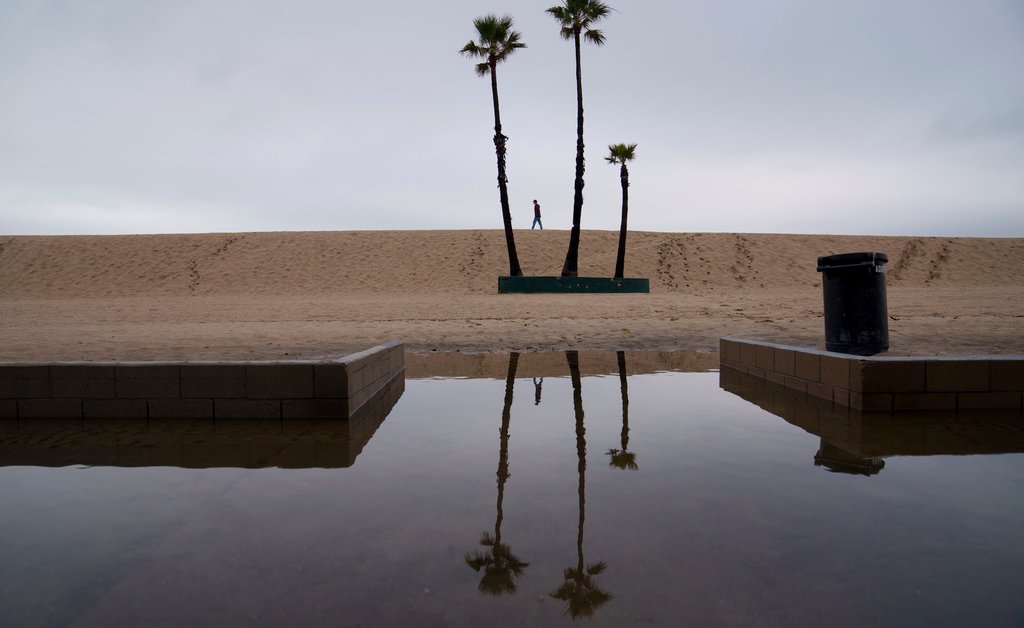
300 443
535 284
236 390
882 383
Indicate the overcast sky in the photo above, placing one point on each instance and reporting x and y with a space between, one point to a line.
805 116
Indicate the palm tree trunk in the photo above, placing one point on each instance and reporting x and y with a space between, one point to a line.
499 147
624 393
581 449
506 413
620 256
571 266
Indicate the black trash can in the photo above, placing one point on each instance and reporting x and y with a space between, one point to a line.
856 314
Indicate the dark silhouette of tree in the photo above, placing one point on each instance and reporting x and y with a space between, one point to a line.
500 566
497 42
576 18
620 154
621 458
579 590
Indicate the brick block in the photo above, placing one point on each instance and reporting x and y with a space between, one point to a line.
821 391
279 381
314 409
730 352
835 371
985 400
1007 375
807 366
871 402
24 382
180 408
795 383
49 408
957 375
330 381
748 354
888 377
841 396
212 381
924 401
247 409
774 378
764 357
82 381
785 362
148 382
114 408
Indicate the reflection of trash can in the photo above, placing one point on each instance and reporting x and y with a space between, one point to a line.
856 315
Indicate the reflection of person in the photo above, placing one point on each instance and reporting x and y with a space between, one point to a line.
536 390
536 215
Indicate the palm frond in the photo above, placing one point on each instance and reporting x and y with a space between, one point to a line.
595 37
621 153
496 41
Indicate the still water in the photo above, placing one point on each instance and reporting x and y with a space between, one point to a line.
543 495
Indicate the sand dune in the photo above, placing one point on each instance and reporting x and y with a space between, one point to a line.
219 296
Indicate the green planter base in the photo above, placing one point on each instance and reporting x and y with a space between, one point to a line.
573 284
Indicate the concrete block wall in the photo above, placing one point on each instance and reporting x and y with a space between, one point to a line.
882 383
197 443
243 390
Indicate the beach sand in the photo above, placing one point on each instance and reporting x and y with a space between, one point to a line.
318 294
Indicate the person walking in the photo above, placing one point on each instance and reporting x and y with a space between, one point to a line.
536 216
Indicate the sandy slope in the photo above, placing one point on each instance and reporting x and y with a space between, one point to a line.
225 296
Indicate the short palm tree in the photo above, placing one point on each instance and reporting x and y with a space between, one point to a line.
620 154
497 41
623 458
576 18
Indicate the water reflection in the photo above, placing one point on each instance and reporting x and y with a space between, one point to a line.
582 594
623 458
500 566
726 490
857 442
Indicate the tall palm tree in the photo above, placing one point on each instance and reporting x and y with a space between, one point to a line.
623 458
579 590
497 42
576 18
620 154
501 567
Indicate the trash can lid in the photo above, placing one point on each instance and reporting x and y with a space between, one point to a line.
850 260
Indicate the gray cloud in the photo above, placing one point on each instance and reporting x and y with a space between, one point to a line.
867 117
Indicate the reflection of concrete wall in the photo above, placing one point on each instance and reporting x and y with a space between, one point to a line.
250 390
881 382
877 434
197 443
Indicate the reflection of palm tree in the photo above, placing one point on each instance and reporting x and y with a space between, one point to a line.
622 459
579 590
501 567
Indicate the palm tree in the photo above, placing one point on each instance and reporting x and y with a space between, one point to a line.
576 18
622 458
579 590
497 42
501 567
620 154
